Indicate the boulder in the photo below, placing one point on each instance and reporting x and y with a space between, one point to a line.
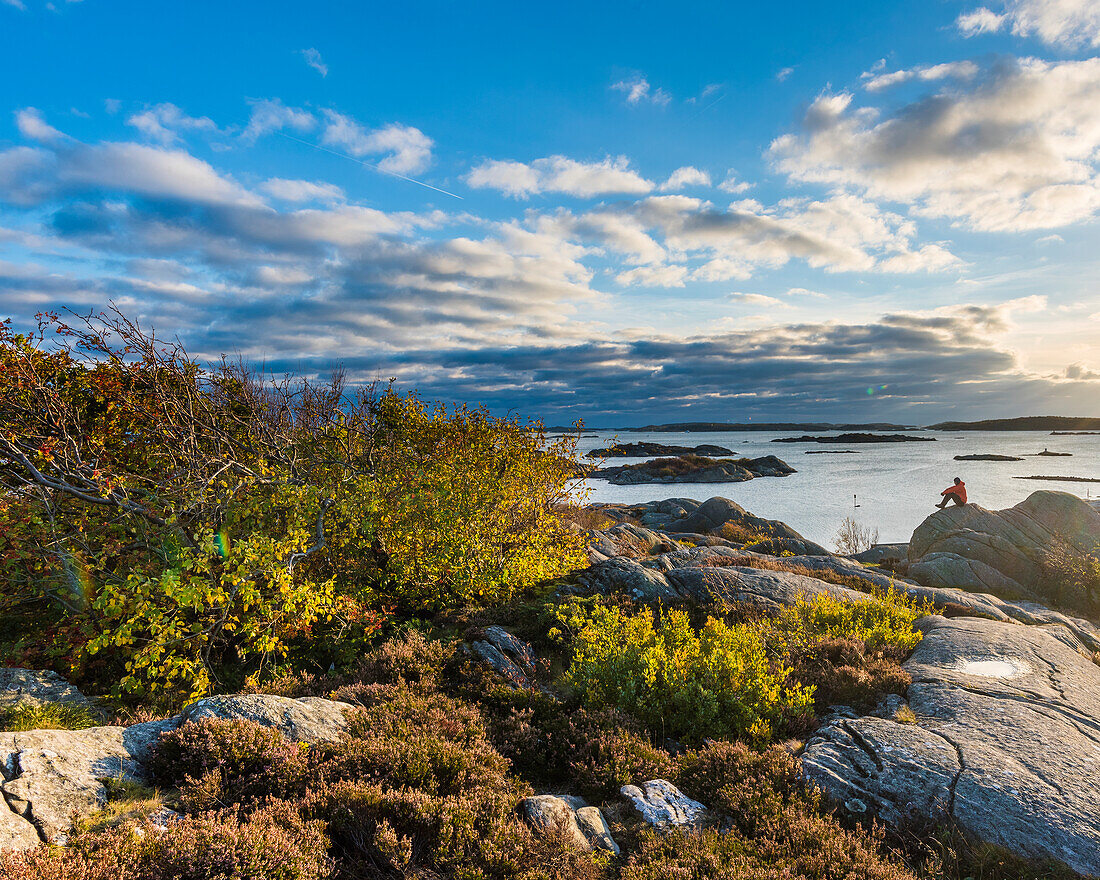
37 687
1000 551
582 826
663 805
595 828
508 656
880 553
306 719
16 832
1007 742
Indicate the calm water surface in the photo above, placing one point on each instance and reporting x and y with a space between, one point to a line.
893 484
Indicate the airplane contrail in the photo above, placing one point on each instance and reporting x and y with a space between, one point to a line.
370 165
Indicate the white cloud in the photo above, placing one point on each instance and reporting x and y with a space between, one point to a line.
732 185
841 233
1017 149
638 91
163 122
1071 23
271 115
952 70
407 150
758 299
302 190
654 276
928 258
784 73
559 174
313 59
802 291
150 171
18 4
685 177
32 125
980 21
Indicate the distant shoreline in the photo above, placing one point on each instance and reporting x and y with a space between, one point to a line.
1056 424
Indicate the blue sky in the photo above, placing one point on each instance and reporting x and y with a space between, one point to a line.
628 212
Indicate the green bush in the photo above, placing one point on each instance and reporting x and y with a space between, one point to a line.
719 681
883 620
467 505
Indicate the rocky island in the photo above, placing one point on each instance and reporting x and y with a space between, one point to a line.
854 438
987 456
643 449
692 468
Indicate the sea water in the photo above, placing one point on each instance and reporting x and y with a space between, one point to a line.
891 487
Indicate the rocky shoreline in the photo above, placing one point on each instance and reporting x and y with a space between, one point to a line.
995 726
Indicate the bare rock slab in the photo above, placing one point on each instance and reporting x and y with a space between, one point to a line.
52 776
663 805
1007 742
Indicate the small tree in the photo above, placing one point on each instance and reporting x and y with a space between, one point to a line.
852 538
195 522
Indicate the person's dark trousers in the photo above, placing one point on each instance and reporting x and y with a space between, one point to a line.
951 497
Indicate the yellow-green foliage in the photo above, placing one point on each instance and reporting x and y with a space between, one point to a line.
719 681
196 525
885 619
466 513
48 716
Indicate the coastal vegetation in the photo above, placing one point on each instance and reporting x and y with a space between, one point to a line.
170 530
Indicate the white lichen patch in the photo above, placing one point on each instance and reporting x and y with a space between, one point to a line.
994 667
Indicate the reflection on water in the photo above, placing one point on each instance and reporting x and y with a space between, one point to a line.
888 486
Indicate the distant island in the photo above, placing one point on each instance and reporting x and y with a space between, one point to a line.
1024 423
856 438
688 427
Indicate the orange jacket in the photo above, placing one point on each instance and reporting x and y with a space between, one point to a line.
957 489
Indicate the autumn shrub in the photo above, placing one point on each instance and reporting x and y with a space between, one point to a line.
767 824
272 843
230 761
558 745
682 683
1071 578
197 525
852 538
846 672
468 515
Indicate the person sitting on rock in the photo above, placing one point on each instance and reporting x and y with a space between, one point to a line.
955 493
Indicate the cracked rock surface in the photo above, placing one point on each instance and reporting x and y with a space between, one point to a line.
1007 741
